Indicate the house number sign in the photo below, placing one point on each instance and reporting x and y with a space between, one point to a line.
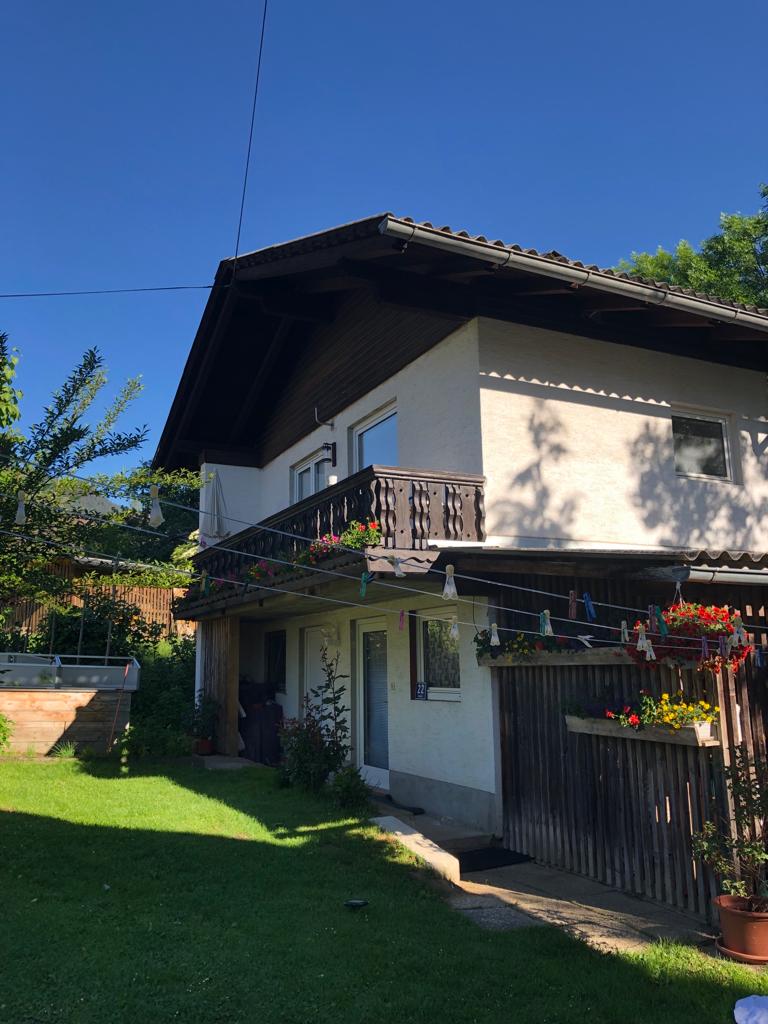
421 691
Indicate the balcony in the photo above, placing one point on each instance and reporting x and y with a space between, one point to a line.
413 508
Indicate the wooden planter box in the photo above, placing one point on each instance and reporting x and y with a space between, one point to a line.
589 656
699 734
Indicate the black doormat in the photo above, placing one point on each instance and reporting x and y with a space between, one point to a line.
489 857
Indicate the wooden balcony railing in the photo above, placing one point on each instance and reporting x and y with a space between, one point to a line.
413 508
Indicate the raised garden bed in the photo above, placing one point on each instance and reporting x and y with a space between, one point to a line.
589 656
698 734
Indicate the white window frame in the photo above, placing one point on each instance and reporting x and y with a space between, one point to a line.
378 416
446 693
309 462
725 422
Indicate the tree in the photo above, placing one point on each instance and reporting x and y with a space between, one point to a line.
730 265
67 515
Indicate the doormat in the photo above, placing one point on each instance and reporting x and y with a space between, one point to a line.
489 857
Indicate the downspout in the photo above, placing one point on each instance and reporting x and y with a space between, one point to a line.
502 256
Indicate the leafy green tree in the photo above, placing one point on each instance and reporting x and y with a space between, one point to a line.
731 265
68 514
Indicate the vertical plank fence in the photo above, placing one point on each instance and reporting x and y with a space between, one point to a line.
621 811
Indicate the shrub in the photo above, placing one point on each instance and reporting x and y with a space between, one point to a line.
348 790
6 731
163 709
317 745
740 859
130 632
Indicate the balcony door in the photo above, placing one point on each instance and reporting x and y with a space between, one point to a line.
372 753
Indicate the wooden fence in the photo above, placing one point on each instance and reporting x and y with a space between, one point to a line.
155 605
621 811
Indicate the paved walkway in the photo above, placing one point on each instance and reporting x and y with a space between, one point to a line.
527 895
600 915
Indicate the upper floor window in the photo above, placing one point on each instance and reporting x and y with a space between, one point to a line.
701 446
375 440
311 475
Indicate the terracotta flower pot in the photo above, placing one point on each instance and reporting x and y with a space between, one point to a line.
203 746
744 932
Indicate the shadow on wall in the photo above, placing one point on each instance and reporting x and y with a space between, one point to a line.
531 507
692 512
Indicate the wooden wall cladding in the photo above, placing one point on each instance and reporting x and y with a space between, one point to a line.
43 718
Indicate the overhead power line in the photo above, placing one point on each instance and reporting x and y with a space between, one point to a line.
112 291
250 136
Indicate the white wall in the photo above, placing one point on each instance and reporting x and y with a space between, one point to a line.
438 426
239 486
449 741
577 443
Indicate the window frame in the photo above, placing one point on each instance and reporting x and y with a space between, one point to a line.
267 634
384 412
417 619
310 462
708 416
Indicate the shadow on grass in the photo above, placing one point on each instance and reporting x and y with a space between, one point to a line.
132 923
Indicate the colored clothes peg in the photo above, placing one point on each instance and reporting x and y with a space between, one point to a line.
573 609
589 608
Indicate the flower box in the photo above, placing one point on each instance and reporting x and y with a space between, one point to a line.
589 656
698 734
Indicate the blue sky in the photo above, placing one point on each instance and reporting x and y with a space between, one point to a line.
594 129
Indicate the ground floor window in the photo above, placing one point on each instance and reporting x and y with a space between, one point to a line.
274 659
436 653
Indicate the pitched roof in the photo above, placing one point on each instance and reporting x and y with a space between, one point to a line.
380 223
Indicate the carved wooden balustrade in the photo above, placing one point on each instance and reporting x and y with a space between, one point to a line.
413 508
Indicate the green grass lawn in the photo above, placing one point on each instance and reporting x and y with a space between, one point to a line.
168 893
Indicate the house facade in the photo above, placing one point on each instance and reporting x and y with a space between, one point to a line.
538 426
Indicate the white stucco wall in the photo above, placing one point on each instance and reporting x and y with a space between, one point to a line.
448 741
239 487
577 444
438 427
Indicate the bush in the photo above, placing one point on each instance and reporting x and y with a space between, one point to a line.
130 633
163 709
317 745
348 790
740 858
6 731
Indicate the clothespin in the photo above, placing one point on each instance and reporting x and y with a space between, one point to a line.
652 624
642 640
454 633
739 633
495 642
545 626
156 517
449 590
624 632
678 599
399 570
401 621
573 609
661 624
21 511
589 608
365 579
650 654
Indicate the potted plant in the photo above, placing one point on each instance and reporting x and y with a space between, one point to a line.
204 719
737 851
708 636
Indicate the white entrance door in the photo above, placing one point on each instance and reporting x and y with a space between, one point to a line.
313 664
372 753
